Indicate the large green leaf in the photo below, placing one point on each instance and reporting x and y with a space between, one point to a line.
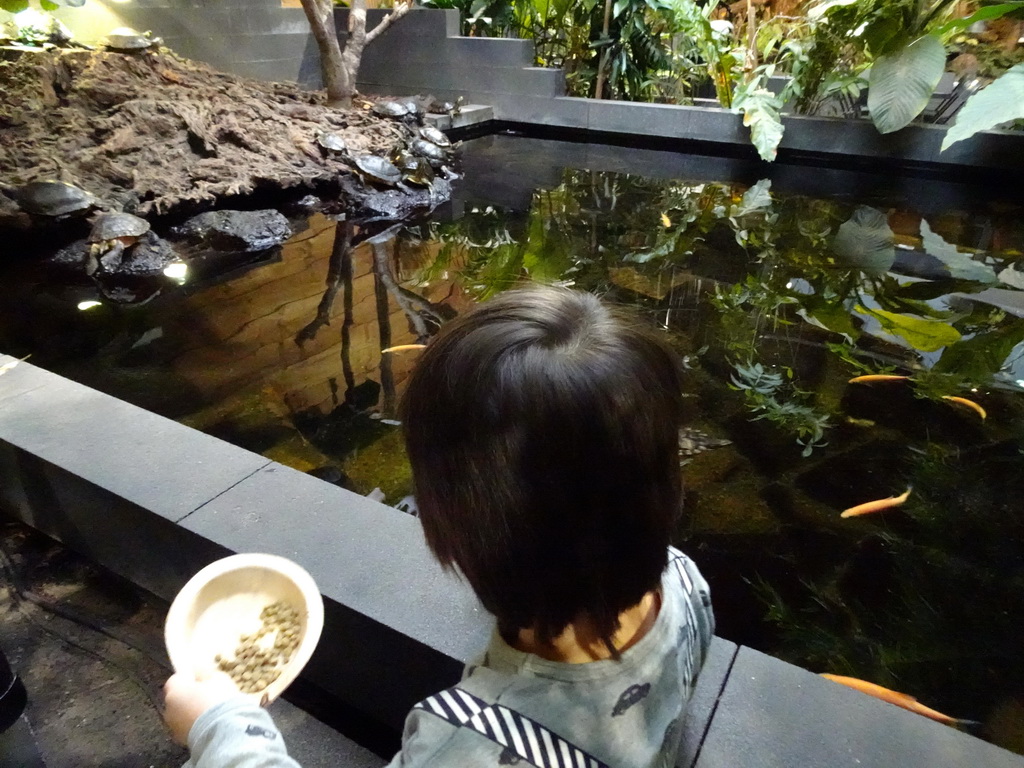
1000 102
866 241
960 265
761 113
982 14
903 81
13 6
921 333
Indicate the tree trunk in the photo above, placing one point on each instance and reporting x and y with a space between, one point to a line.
340 67
603 60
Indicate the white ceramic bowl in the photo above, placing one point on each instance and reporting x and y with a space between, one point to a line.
223 602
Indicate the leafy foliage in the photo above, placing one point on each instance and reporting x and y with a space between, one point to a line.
902 82
17 6
762 113
1000 102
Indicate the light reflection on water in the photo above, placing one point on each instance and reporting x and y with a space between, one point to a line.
774 300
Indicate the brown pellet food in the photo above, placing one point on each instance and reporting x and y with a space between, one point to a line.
258 662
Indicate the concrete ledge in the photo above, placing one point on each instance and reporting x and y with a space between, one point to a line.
774 714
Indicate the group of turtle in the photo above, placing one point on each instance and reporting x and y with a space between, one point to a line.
112 235
427 152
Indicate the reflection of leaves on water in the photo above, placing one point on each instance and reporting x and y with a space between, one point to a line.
960 265
866 241
924 334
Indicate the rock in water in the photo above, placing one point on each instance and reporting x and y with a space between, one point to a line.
148 257
372 204
236 230
73 257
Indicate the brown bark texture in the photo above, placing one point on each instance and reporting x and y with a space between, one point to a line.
153 131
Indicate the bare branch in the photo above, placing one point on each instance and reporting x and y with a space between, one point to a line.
397 12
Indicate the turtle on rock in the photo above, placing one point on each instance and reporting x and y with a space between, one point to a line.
111 234
377 170
396 110
127 40
434 136
330 142
434 154
415 170
52 198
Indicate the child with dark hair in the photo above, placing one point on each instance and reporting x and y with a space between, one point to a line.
542 429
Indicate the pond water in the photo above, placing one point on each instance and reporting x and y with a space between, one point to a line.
776 290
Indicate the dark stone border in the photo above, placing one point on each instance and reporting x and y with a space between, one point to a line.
154 501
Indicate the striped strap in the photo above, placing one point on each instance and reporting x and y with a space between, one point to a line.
527 738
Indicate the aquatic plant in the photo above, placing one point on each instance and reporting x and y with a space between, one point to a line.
766 397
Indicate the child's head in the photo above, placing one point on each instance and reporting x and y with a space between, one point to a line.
543 434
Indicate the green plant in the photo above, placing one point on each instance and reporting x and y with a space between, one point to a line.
764 391
17 6
712 40
904 40
1000 102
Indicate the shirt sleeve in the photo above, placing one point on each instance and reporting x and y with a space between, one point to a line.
237 734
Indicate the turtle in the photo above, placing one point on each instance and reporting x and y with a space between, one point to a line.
450 108
424 148
127 40
111 234
52 198
330 141
415 170
415 108
396 110
377 169
434 136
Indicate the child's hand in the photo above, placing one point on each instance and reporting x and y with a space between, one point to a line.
186 698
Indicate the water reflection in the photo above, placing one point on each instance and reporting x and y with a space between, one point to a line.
774 300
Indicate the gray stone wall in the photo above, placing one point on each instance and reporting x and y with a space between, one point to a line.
253 38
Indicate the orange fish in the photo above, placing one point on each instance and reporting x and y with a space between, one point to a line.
968 403
876 506
894 697
876 377
666 222
403 348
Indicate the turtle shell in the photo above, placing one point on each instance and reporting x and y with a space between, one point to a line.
441 107
418 171
127 39
53 198
377 169
414 107
111 226
332 142
427 149
434 136
392 109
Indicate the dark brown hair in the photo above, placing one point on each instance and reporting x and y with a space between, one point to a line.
543 434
